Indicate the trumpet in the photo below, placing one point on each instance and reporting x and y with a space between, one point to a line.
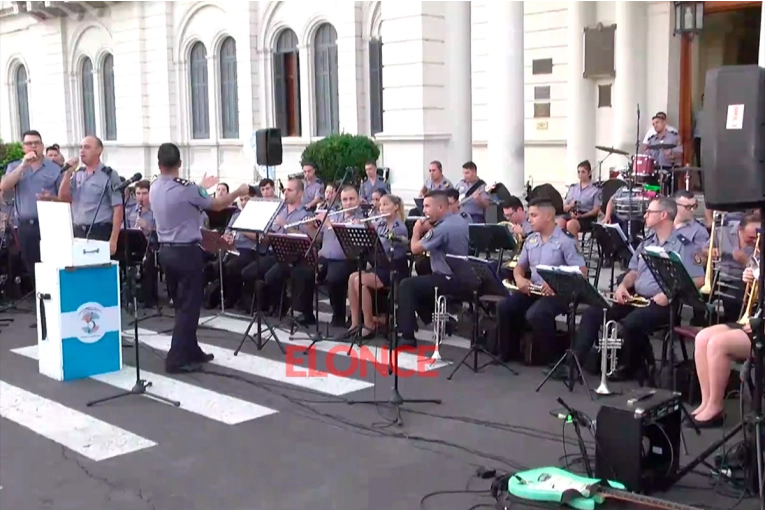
609 346
706 289
636 301
439 323
752 290
534 289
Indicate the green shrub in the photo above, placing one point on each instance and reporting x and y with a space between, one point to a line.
9 152
333 154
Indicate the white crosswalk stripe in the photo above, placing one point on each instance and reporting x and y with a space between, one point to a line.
279 371
88 436
406 360
210 404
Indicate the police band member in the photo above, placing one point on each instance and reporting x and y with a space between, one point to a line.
25 181
245 244
515 213
686 224
267 189
733 248
731 217
444 232
582 203
377 194
313 187
91 189
371 183
547 245
330 191
664 158
332 256
140 214
437 181
638 323
289 219
53 153
421 262
176 204
140 217
473 197
626 209
392 232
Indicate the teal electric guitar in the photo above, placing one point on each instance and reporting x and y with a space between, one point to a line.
555 485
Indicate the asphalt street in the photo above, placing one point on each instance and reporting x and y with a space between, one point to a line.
251 434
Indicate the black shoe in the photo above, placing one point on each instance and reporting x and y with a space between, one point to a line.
206 357
713 423
620 374
407 342
183 369
306 320
338 322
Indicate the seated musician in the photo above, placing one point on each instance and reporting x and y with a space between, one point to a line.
272 273
619 210
245 243
371 183
140 216
474 200
313 187
442 233
221 190
733 248
686 224
329 196
394 226
376 196
422 261
582 203
267 189
730 217
332 256
664 158
437 181
536 306
514 212
715 347
639 322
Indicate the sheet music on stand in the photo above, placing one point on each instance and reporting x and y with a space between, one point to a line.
569 283
361 241
292 248
258 215
669 272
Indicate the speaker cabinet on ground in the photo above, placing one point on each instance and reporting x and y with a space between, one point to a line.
637 439
733 138
268 144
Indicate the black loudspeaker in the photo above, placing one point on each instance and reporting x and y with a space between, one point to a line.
733 138
637 439
268 143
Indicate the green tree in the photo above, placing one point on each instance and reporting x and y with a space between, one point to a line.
9 152
333 154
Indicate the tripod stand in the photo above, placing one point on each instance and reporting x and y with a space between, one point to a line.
141 385
395 400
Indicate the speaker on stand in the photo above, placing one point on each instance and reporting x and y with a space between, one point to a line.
268 150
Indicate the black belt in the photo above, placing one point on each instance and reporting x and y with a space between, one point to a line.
192 243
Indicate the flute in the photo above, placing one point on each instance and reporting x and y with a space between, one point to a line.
372 218
316 217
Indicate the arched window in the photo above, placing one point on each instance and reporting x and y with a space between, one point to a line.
88 98
21 84
200 100
375 86
287 83
110 103
229 95
325 81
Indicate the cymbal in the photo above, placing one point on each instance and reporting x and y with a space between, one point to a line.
660 146
612 150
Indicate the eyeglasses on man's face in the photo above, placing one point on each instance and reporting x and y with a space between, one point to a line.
689 207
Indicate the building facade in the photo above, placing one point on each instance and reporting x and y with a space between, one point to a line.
524 89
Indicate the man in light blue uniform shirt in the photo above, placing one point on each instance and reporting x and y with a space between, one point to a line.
443 233
176 204
638 323
28 180
475 200
371 183
313 187
686 224
97 207
664 158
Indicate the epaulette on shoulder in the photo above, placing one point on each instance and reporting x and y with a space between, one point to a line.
107 170
319 181
181 181
464 215
672 130
446 184
683 239
569 234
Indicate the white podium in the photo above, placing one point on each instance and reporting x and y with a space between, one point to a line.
79 321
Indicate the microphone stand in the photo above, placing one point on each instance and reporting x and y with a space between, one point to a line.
631 178
107 186
758 346
579 420
141 385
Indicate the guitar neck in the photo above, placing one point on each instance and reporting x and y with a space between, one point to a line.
640 499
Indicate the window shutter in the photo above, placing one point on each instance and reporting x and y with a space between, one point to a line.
280 94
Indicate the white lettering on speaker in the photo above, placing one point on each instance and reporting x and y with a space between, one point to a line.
735 118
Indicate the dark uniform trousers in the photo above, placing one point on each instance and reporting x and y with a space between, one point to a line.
416 297
233 269
516 311
183 264
29 243
422 265
303 285
338 272
637 324
99 232
149 278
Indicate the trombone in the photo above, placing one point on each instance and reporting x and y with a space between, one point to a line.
633 300
439 323
534 289
609 346
752 290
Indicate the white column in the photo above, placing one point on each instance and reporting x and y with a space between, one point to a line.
761 59
458 44
506 138
630 75
580 119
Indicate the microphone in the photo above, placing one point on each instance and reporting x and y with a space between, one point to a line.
121 186
300 175
66 167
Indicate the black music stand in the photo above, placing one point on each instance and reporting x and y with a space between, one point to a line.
360 243
214 243
575 289
613 244
256 217
488 284
132 249
489 238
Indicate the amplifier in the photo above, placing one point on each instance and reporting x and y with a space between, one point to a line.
637 439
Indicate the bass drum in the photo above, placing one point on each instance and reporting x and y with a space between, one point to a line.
610 187
548 192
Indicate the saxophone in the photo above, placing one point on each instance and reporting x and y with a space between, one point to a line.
752 290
